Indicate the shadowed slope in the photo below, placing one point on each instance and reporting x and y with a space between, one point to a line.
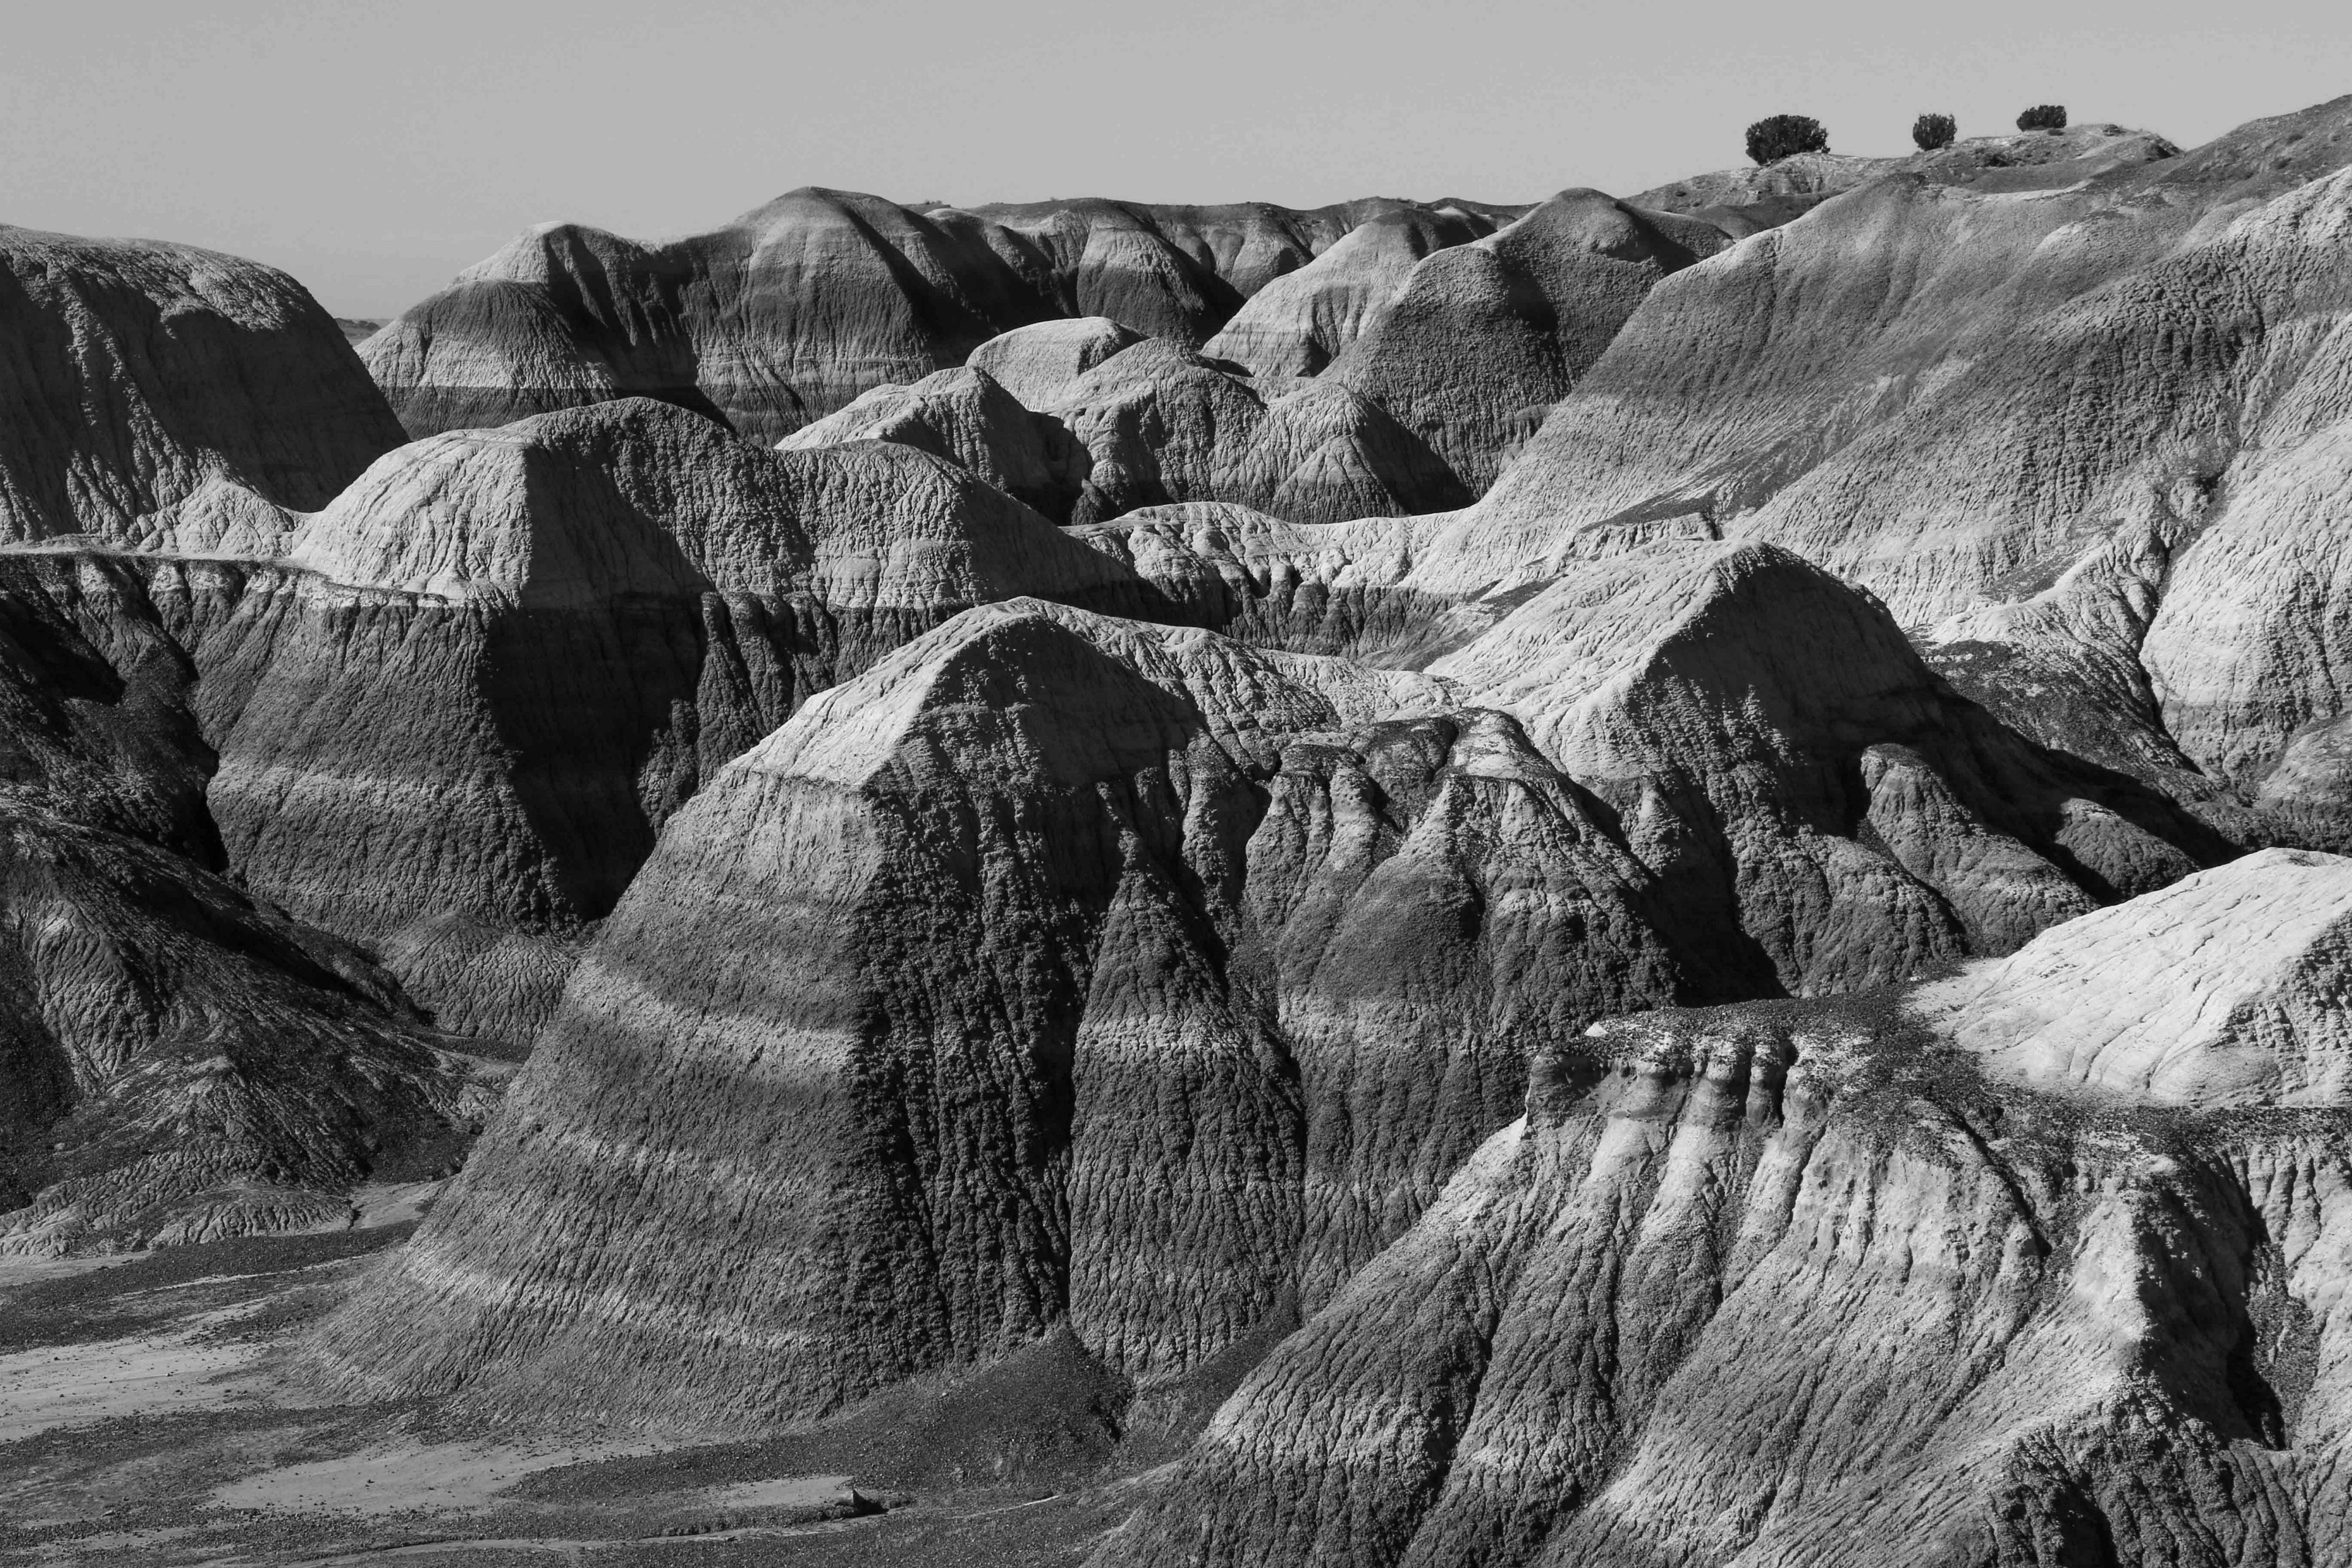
133 374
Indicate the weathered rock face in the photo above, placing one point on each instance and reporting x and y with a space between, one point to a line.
2038 365
2223 991
1035 363
1485 337
1786 1284
1074 893
478 684
792 311
183 1063
781 318
967 417
1326 588
1297 323
1162 425
1140 981
1767 733
135 374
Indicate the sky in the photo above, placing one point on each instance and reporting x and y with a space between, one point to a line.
373 149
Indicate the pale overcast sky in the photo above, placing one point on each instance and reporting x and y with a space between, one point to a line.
373 150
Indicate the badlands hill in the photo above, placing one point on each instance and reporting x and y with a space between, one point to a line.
1590 884
135 373
788 312
1069 892
1843 1282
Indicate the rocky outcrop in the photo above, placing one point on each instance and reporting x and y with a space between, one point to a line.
1784 1284
1485 337
181 1062
779 318
967 417
184 1063
136 375
2037 365
1020 1013
478 684
1161 424
1035 363
1154 982
792 311
2022 161
2222 990
1298 324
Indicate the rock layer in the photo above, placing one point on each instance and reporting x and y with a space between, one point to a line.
133 374
1789 1285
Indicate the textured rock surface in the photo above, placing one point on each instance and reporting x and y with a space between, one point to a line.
183 1063
135 375
2037 365
2225 989
966 416
791 311
1035 363
1298 322
1484 338
481 681
180 1061
1156 980
1161 424
1097 922
1785 1285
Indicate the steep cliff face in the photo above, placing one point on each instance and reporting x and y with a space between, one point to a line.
1783 1284
133 374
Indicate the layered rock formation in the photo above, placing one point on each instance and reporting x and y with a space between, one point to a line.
966 416
479 683
791 311
1298 322
1162 425
1154 982
181 1061
184 1063
779 318
2038 365
1485 337
1782 1284
135 374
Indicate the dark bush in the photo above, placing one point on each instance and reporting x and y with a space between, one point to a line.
2043 117
1933 130
1783 135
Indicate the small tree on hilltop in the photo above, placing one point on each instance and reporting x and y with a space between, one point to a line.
1785 135
2043 117
1933 130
